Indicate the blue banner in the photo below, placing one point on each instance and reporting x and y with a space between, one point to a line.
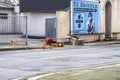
84 17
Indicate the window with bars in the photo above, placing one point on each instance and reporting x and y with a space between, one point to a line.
3 15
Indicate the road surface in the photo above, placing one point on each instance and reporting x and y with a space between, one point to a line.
22 63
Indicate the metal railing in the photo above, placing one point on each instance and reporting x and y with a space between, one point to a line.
13 28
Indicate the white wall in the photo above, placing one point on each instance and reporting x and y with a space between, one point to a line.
115 15
8 11
17 9
36 23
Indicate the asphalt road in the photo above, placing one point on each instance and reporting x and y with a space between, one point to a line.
22 63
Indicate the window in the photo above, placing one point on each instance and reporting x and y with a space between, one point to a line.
3 16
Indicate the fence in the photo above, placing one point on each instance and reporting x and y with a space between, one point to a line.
13 28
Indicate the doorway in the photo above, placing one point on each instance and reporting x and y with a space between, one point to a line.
108 20
51 27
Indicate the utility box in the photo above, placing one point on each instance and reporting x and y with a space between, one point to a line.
77 42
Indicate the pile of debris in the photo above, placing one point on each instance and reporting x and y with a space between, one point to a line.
50 42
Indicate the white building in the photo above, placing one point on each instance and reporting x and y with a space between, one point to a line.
41 12
6 8
41 16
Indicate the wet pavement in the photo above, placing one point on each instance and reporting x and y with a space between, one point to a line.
22 63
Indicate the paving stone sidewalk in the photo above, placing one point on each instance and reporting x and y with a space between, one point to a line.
40 45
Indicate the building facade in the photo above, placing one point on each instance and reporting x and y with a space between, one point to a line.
5 10
41 13
109 18
109 12
41 16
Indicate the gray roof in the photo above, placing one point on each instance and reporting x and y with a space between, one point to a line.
43 5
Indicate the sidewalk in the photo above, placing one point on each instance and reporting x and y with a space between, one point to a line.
5 47
18 47
40 45
102 43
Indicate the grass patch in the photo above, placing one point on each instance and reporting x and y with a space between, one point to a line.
104 73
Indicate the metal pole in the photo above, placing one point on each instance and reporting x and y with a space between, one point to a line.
26 32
